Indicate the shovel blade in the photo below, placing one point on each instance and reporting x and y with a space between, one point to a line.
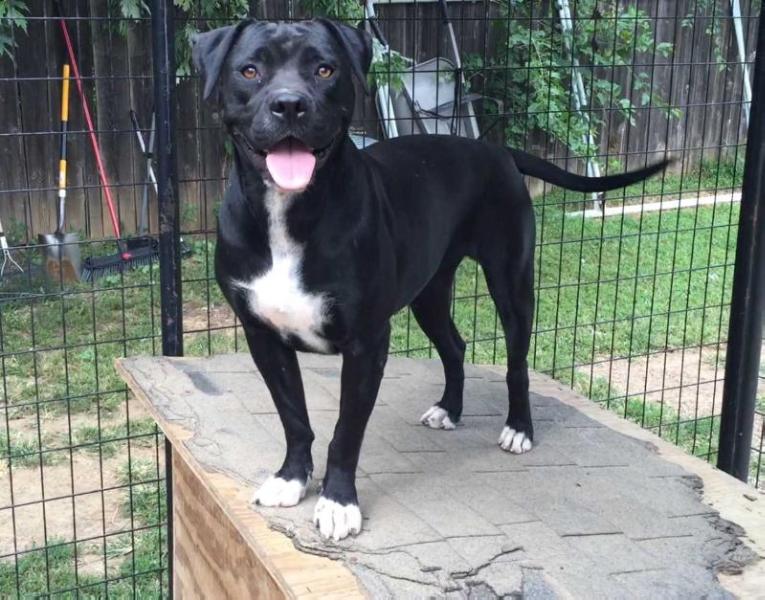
61 253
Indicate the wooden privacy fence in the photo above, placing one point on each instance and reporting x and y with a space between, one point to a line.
115 60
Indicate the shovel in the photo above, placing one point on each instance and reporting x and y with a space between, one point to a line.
61 251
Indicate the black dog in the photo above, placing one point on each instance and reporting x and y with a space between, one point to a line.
319 244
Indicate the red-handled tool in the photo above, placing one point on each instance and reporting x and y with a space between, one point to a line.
126 257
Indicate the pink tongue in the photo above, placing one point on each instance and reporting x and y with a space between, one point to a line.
291 164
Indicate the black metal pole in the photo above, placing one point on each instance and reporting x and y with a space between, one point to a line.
163 53
745 333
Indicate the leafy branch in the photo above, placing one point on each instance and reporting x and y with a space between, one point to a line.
534 77
195 16
708 11
13 16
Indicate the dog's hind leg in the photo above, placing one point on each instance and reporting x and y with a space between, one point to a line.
432 311
514 298
508 262
279 367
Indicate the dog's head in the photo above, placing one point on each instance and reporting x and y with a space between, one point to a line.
285 91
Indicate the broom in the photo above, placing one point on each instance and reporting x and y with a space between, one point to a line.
127 256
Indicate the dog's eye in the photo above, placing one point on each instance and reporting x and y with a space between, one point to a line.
325 71
250 72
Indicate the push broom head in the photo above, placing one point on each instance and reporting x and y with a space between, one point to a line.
142 252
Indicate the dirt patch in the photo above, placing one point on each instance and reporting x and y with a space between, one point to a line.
687 380
690 381
92 563
54 427
202 318
70 497
73 506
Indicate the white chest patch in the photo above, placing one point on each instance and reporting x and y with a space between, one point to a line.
277 296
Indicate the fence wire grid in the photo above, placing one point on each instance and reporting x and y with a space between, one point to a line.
633 289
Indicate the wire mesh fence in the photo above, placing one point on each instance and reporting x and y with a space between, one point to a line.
633 290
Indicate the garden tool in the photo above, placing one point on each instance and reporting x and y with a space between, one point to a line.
61 251
126 257
7 257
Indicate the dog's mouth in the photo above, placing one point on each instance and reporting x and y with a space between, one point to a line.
290 162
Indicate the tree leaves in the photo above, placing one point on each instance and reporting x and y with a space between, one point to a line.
12 16
534 80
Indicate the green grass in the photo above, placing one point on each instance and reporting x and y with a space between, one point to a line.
23 450
709 176
627 286
146 498
38 567
53 569
62 345
111 439
615 287
133 561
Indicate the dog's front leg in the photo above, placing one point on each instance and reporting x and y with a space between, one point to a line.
279 367
337 511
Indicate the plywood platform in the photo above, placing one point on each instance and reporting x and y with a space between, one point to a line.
599 508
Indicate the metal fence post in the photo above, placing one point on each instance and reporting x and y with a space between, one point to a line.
745 334
163 43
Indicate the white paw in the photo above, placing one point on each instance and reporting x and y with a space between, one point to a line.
280 492
335 520
437 418
514 441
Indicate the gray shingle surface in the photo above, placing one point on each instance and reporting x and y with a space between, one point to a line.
588 513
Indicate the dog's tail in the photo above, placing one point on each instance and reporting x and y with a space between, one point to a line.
528 164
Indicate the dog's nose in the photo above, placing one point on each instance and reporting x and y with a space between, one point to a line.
289 106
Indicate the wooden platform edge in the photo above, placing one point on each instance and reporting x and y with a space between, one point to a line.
735 500
296 574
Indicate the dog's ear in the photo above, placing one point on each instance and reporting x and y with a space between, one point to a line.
210 49
357 43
